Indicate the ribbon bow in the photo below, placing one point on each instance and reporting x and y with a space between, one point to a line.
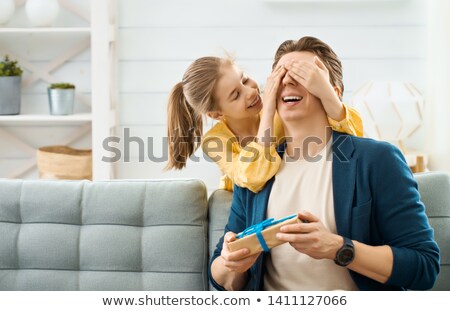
257 228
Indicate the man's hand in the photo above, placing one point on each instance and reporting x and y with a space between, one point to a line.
311 238
229 269
234 261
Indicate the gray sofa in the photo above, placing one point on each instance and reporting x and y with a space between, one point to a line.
135 235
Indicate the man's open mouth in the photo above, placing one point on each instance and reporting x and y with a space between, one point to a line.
292 99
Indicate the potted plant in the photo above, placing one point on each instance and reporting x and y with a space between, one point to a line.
10 79
61 97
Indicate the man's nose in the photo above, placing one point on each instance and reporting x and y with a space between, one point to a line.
287 79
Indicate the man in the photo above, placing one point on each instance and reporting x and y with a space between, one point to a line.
366 227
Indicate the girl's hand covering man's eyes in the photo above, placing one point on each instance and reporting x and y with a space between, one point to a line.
313 76
271 90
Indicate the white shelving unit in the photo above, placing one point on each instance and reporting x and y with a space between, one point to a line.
86 30
27 119
97 118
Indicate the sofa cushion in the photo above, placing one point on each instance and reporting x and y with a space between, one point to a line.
115 235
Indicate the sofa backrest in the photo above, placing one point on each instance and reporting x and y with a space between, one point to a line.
115 235
434 188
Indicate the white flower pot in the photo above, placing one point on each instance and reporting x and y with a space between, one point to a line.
7 8
42 13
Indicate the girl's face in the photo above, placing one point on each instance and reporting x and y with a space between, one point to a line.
236 95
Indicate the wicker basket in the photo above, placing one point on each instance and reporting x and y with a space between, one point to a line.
62 162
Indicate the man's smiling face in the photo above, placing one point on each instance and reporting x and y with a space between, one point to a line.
294 101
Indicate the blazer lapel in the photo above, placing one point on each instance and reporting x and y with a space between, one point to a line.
344 175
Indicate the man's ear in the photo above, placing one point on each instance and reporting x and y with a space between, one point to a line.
216 115
338 91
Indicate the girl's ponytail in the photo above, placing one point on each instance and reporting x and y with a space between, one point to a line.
184 128
189 100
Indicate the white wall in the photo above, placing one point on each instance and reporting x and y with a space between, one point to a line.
438 85
157 40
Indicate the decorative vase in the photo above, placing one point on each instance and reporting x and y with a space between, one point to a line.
61 101
7 8
64 162
10 95
42 13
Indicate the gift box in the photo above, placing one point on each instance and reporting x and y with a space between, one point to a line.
262 236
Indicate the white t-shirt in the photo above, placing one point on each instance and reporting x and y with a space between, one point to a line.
304 185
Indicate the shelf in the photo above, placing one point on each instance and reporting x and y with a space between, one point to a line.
26 30
45 119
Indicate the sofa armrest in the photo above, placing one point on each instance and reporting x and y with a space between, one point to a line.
219 205
218 211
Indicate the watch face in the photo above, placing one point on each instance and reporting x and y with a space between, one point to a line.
345 255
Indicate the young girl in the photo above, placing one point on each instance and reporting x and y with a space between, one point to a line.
243 142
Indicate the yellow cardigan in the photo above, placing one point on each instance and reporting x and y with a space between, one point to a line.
248 166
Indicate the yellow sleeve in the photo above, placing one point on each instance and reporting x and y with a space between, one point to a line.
278 129
351 124
249 167
226 183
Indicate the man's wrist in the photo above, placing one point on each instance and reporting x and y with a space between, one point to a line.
346 254
337 246
236 280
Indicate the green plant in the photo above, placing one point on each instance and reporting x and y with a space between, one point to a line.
64 86
9 68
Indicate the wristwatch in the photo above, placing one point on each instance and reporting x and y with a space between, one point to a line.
345 255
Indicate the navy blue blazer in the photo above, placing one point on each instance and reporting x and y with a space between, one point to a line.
376 202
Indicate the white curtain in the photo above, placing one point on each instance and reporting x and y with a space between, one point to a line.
437 109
